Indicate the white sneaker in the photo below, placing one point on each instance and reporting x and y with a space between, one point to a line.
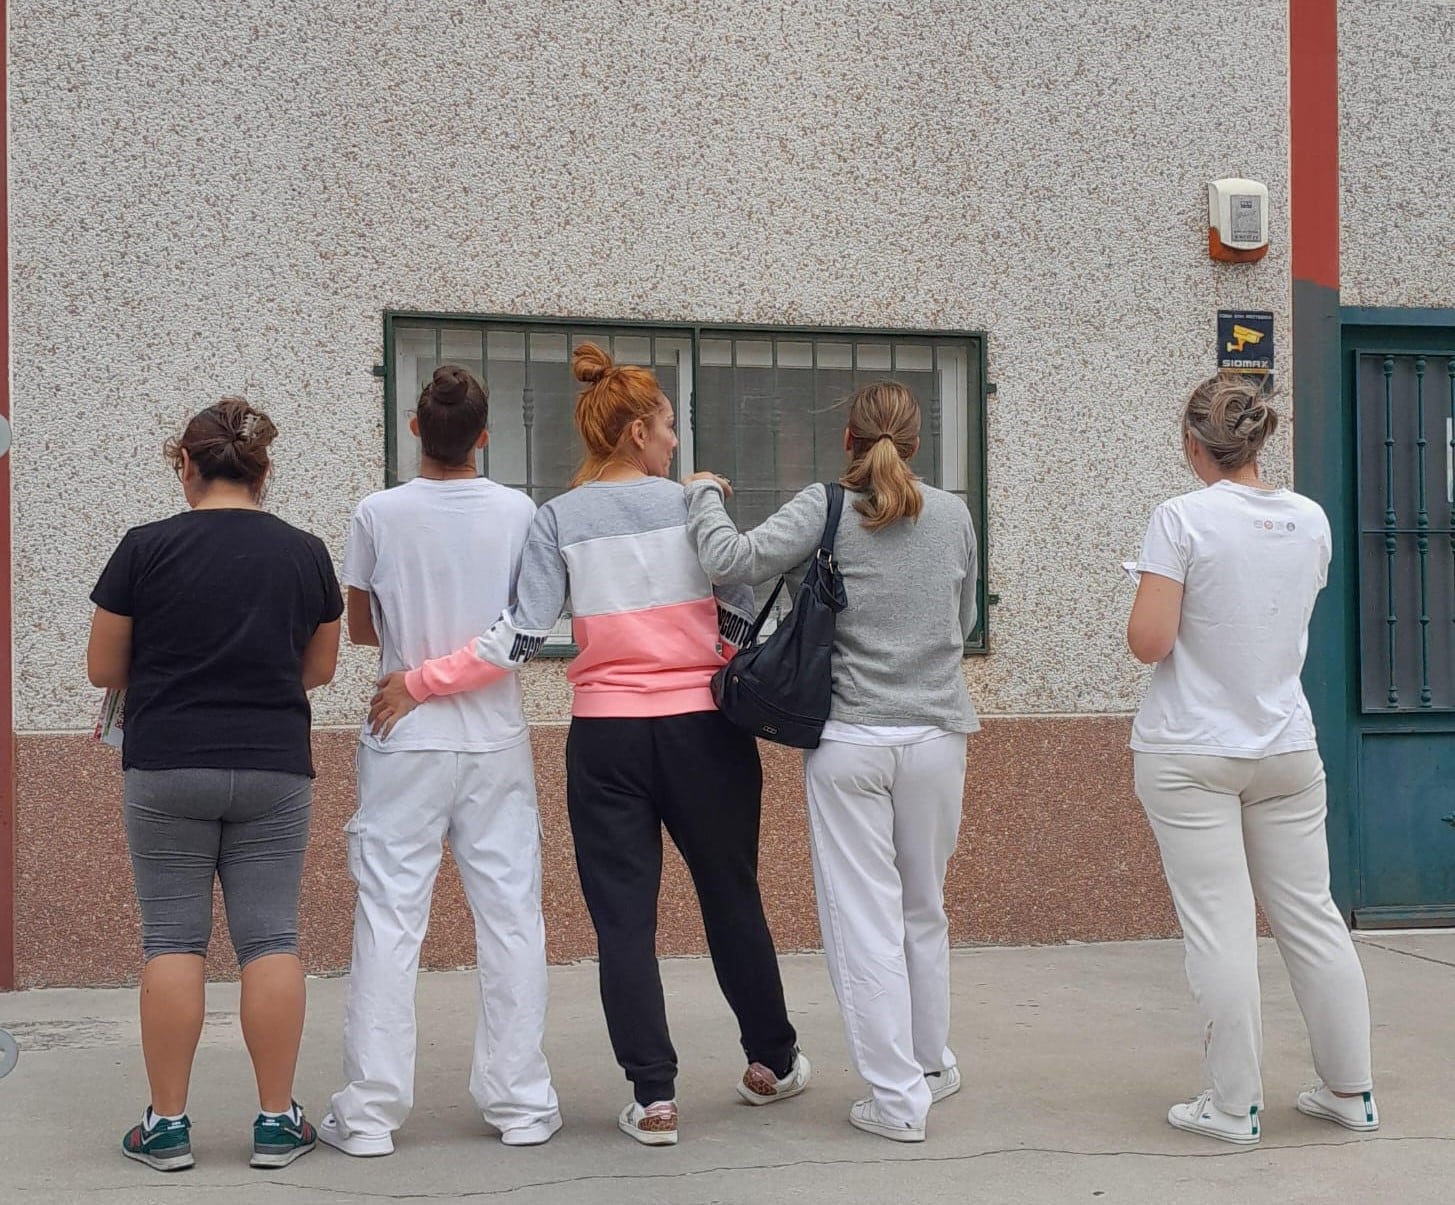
362 1146
943 1083
1201 1116
865 1116
535 1134
654 1125
1352 1112
760 1087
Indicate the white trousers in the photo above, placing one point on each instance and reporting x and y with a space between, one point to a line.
1233 830
410 802
884 821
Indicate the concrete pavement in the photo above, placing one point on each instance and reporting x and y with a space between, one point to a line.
1071 1056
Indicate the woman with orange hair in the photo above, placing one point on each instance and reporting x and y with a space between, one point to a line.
648 747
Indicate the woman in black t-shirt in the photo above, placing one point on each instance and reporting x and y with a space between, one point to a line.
217 622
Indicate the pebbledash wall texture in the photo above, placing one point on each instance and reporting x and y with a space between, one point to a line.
228 200
1395 147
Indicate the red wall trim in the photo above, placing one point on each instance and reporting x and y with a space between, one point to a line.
7 628
1313 107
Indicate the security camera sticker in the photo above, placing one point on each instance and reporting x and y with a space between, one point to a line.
1245 341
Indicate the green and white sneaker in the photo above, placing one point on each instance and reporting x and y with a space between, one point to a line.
278 1139
161 1143
1201 1116
1358 1113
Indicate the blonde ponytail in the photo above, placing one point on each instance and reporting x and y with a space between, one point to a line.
884 421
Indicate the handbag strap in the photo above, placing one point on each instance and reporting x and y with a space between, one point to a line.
752 637
835 493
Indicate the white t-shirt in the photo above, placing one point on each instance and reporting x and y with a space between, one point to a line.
1251 563
440 559
881 736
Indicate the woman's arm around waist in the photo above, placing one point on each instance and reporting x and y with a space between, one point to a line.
541 590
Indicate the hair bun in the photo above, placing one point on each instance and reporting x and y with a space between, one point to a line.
589 363
230 439
449 385
1250 415
1232 417
242 424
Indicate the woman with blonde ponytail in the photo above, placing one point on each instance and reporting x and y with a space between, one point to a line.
885 785
648 748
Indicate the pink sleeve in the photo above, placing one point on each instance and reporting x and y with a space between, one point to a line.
460 671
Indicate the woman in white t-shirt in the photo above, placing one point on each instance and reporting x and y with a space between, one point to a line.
427 564
1227 765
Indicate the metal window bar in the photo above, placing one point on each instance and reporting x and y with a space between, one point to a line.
1422 539
485 374
935 402
528 422
1390 542
1407 666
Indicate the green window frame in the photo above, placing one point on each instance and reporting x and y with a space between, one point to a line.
754 402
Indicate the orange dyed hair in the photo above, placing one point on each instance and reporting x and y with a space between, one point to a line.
614 398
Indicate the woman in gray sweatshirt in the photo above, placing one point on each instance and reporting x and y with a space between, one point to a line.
885 785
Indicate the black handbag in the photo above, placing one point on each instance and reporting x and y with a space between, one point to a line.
781 690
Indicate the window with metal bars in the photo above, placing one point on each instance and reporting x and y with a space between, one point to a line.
761 406
1406 424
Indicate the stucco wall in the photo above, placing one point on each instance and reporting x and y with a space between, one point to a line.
1397 152
213 198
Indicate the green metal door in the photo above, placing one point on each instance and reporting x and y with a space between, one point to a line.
1398 743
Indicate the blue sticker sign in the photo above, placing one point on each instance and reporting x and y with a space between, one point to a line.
1245 341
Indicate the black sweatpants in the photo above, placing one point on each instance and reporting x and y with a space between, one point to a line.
701 778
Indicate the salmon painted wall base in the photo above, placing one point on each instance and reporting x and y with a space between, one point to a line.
1053 847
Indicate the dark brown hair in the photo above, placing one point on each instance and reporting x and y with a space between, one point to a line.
615 397
228 441
453 410
884 423
1230 417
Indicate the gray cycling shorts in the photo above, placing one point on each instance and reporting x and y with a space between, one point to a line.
249 828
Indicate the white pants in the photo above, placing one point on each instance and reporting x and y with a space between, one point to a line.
1232 830
410 802
884 822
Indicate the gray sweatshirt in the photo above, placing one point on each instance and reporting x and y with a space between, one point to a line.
911 592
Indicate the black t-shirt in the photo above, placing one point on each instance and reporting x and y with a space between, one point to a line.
222 605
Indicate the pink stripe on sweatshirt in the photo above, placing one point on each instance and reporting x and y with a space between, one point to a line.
653 662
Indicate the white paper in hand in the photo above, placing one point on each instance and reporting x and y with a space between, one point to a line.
109 722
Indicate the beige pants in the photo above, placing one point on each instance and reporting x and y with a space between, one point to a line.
1232 830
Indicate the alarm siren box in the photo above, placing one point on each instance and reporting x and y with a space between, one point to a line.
1237 220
